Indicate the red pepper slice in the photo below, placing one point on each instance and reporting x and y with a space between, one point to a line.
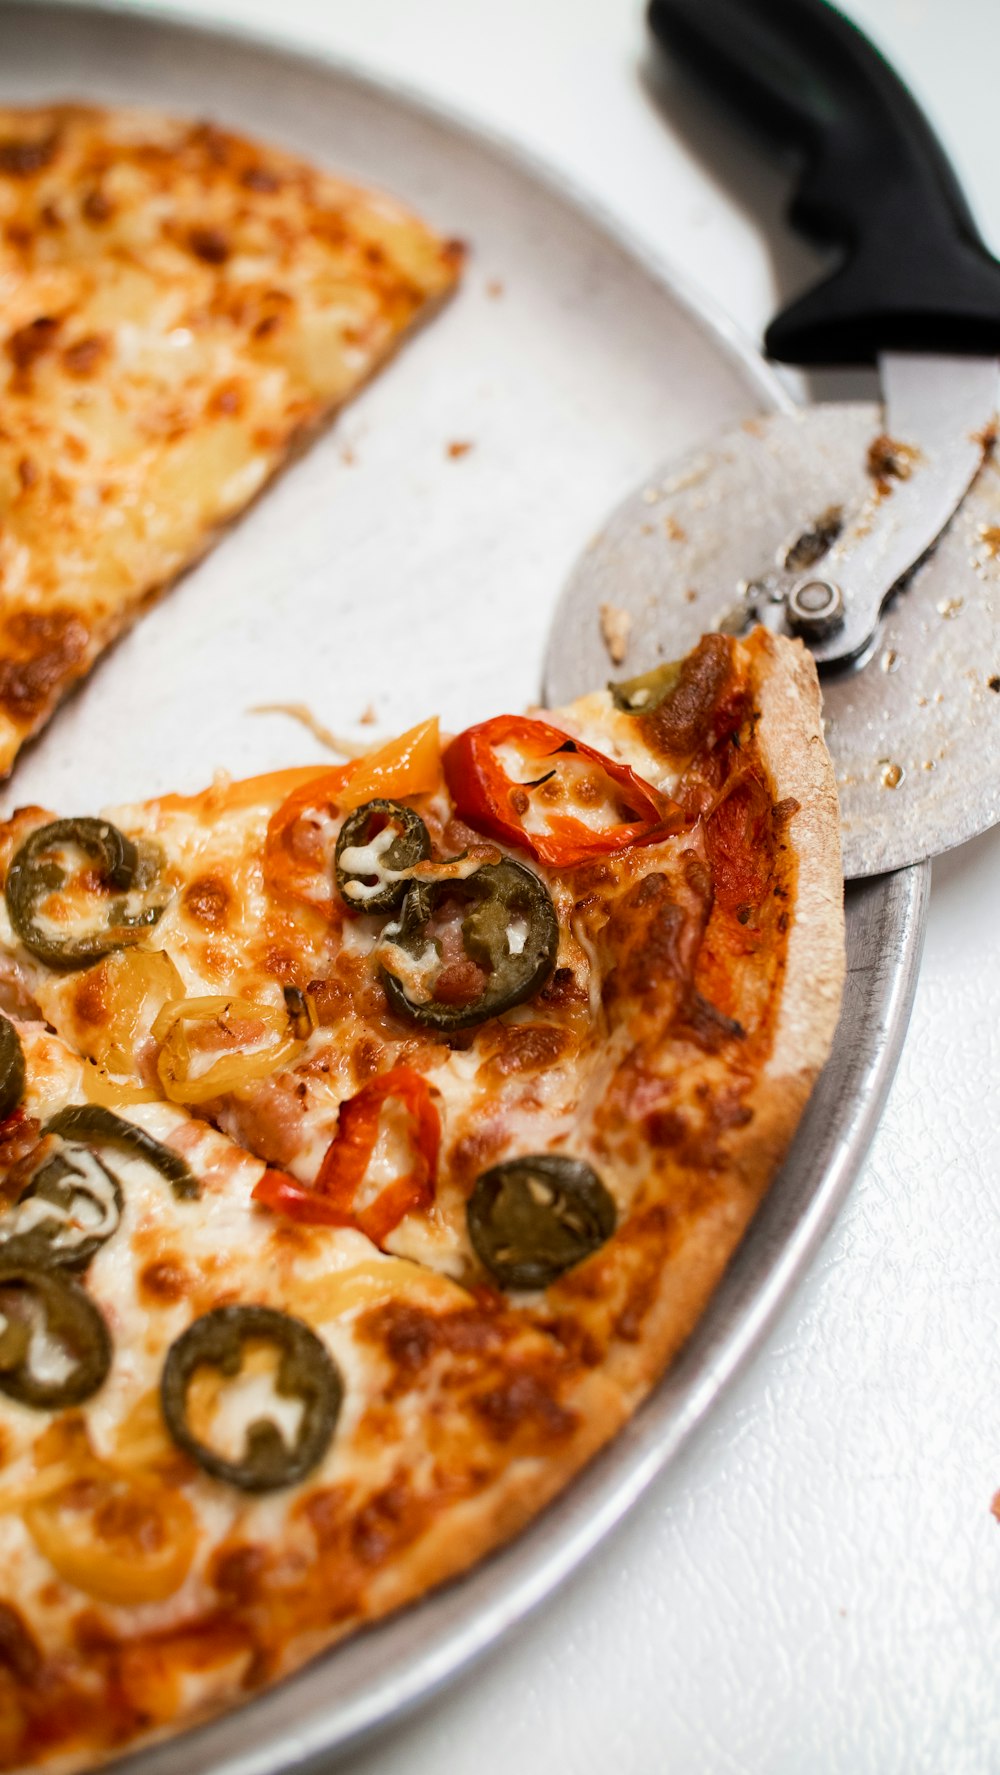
290 866
330 1200
496 804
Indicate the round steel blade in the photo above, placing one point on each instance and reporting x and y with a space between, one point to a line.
914 730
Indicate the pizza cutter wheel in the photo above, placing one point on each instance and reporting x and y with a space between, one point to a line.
871 532
914 729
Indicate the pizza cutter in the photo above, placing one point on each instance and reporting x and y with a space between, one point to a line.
872 532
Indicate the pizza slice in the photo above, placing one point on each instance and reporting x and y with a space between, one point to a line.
227 1441
614 931
478 1057
182 307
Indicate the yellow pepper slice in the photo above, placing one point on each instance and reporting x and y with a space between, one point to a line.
235 1068
121 1538
409 765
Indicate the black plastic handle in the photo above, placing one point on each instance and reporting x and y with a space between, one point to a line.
915 275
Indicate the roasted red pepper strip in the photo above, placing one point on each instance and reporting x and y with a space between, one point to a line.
292 863
494 803
330 1201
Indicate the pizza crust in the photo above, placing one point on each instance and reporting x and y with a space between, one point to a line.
479 1526
789 738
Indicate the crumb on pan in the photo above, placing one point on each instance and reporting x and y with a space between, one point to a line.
616 626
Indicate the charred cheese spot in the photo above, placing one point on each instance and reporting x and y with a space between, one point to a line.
90 997
563 989
326 1510
523 1406
510 1387
279 964
41 652
390 1520
97 206
209 245
227 401
164 1280
207 899
19 1652
527 1047
28 343
238 1573
85 356
412 1337
475 1150
25 157
367 1057
666 1128
653 934
259 178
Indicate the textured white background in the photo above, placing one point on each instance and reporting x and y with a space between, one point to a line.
815 1586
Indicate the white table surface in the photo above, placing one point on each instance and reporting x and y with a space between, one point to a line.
814 1586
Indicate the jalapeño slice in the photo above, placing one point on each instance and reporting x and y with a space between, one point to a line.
378 840
55 1349
509 931
530 1219
641 695
305 1373
69 1210
35 874
12 1073
92 1122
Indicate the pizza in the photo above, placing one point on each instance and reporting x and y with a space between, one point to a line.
371 1139
182 308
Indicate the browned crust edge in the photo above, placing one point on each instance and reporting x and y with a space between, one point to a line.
467 1532
790 744
462 1536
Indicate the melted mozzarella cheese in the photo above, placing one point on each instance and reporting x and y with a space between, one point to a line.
595 720
368 860
416 973
517 933
251 1397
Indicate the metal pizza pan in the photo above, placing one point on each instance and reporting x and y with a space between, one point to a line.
386 567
